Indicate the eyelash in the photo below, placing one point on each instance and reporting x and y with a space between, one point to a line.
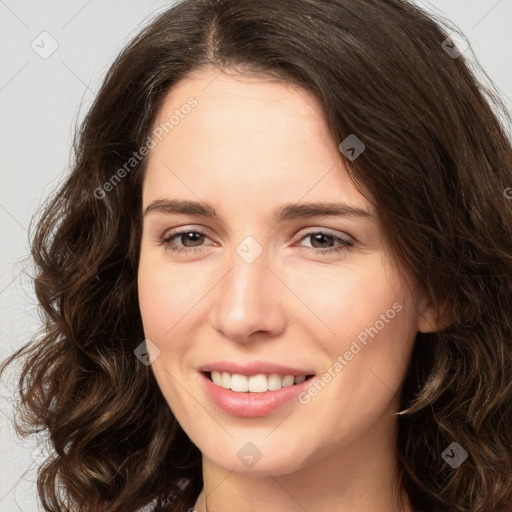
345 244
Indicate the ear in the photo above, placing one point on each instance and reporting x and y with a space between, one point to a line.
427 321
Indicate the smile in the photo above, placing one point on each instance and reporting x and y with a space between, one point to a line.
253 396
259 383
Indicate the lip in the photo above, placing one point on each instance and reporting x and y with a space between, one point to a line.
251 405
255 368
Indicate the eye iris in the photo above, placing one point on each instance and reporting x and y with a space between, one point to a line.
191 236
323 236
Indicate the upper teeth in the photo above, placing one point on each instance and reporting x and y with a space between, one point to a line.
256 383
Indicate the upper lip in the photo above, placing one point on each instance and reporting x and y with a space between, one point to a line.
254 368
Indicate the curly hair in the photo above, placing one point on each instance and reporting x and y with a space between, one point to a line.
437 165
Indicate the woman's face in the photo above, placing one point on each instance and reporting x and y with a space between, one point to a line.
271 284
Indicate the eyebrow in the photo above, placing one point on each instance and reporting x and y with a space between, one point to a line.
284 212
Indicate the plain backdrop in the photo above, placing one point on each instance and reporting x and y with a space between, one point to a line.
43 96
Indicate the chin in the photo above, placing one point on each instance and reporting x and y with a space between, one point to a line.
258 458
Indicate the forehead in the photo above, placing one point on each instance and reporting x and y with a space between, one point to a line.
247 136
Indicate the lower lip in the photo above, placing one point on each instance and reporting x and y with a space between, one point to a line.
251 405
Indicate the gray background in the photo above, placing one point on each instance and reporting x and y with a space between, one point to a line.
41 99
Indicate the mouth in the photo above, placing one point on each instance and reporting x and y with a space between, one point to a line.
258 383
253 396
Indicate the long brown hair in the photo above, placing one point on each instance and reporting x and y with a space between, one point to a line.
436 165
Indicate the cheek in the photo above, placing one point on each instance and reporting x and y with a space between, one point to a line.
163 301
166 292
156 306
345 301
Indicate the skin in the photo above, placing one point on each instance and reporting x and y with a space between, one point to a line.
250 146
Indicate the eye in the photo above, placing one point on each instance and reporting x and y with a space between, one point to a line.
323 240
191 242
188 236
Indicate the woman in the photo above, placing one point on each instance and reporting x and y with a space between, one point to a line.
204 349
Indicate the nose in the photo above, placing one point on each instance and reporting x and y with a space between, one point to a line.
248 303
